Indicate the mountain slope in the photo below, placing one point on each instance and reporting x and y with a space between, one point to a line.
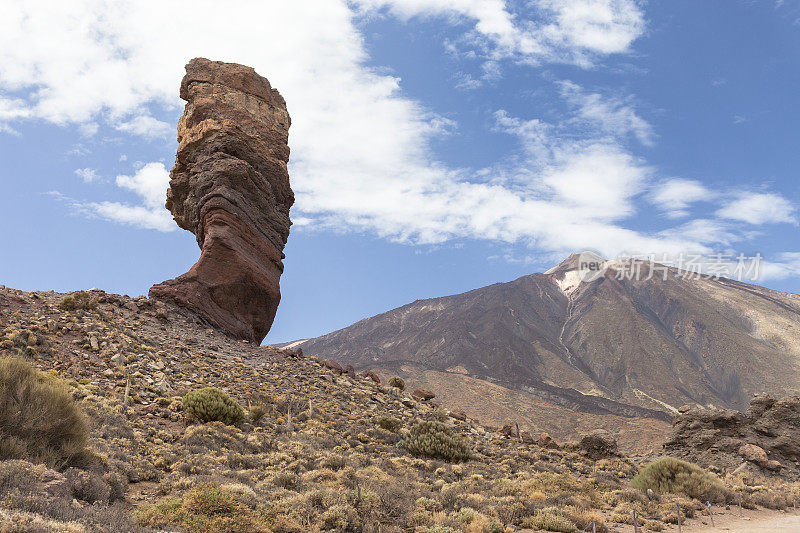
627 347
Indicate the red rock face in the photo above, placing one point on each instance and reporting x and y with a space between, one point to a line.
230 187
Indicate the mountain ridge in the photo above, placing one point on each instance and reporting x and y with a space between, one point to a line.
630 347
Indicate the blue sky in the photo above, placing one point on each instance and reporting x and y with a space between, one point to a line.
437 146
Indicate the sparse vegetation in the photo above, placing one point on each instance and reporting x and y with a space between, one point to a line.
210 404
435 440
80 300
203 509
308 454
670 475
39 420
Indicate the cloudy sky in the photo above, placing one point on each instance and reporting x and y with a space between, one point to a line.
437 145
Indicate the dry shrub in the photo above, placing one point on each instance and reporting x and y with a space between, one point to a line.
550 519
397 382
436 441
670 475
210 404
78 300
204 509
389 423
39 420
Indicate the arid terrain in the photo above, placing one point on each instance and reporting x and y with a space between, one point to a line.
319 450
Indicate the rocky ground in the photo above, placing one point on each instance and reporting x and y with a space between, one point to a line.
320 450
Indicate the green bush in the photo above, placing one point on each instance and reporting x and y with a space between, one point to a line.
435 440
397 382
670 475
389 423
78 300
210 405
39 420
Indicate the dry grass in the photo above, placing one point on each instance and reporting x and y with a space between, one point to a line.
38 417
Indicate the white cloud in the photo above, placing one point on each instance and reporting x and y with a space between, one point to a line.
759 208
150 184
88 175
785 265
704 230
572 31
135 215
674 196
361 157
612 115
146 126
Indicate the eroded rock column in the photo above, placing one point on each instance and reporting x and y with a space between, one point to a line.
230 187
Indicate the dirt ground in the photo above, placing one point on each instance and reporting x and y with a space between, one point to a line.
760 521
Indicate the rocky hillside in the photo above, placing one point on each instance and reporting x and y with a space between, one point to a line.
763 440
318 450
545 344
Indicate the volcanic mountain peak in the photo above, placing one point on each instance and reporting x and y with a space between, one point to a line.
575 269
582 337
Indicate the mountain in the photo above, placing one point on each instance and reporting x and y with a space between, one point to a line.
553 345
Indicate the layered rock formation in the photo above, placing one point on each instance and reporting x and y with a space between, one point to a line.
230 187
765 439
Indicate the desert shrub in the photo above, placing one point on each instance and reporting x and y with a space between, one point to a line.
389 423
39 420
19 475
670 475
436 441
397 382
78 300
334 462
338 517
770 499
118 485
205 508
255 413
88 486
550 519
210 404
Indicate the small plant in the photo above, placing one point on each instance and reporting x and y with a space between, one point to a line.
435 440
255 413
210 405
78 300
397 382
670 475
39 420
389 423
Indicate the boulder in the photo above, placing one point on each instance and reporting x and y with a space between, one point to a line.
598 444
423 394
333 365
373 376
753 453
230 187
546 441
